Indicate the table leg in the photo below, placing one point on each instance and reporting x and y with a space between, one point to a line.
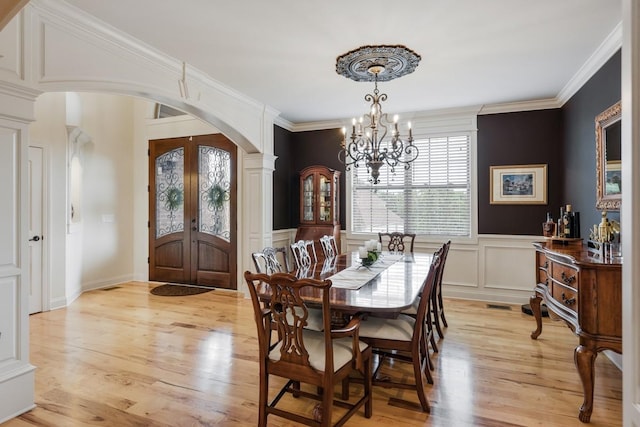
534 302
585 359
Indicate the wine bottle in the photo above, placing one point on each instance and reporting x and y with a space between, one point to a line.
576 224
567 222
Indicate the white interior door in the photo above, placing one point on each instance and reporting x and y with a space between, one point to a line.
36 206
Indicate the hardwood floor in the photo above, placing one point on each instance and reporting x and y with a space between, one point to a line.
123 357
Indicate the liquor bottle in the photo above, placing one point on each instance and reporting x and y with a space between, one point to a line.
548 227
567 222
560 227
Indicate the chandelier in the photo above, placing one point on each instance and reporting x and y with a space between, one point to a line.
375 140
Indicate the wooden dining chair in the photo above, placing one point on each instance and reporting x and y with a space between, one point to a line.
397 242
304 253
267 260
437 305
302 356
429 336
329 246
403 338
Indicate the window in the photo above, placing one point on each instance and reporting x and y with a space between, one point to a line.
433 197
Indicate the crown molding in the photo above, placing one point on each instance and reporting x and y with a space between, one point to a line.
283 123
321 125
606 50
512 107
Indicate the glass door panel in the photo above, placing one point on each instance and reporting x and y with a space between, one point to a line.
170 192
214 181
325 198
308 199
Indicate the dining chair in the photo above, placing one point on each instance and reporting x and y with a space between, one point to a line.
267 260
304 253
329 246
302 356
429 336
397 242
402 338
437 306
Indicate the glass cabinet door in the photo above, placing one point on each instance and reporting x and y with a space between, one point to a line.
324 192
308 201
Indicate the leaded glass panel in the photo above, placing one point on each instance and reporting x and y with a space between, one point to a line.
214 182
170 192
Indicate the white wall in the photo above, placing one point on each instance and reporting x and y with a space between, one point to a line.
107 191
97 251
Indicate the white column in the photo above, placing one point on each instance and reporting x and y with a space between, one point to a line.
257 209
16 373
630 211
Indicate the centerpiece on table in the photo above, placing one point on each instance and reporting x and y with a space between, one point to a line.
370 252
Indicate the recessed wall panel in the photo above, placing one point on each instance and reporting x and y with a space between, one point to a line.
510 267
8 206
12 50
461 268
8 325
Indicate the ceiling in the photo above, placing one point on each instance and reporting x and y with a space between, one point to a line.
283 52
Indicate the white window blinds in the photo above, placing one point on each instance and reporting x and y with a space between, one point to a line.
431 198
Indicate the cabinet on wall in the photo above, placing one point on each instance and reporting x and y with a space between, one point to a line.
319 205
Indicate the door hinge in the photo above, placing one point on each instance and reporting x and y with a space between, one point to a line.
148 260
148 188
148 224
148 151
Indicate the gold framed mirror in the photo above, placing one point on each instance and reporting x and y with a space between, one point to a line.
608 159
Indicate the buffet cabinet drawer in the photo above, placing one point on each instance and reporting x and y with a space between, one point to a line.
566 296
543 268
565 275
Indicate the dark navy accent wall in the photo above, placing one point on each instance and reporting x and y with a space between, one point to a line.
579 113
522 138
282 191
319 147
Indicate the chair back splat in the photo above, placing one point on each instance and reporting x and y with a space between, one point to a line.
304 253
301 355
267 260
329 246
397 242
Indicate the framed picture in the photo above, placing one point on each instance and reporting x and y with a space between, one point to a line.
613 176
519 184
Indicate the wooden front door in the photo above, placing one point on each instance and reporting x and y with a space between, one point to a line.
192 209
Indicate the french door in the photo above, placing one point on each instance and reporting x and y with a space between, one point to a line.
192 209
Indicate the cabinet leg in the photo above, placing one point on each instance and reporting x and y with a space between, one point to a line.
585 359
534 302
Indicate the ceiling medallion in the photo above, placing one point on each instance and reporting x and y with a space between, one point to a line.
389 61
375 139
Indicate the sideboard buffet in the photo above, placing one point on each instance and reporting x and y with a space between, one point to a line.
585 291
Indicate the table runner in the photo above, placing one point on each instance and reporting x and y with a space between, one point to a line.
357 276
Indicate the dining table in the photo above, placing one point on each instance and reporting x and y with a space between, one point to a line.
388 286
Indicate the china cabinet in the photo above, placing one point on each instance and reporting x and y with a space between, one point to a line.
319 205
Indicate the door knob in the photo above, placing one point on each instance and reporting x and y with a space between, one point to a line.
34 239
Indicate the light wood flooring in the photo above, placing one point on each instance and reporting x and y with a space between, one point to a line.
123 357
